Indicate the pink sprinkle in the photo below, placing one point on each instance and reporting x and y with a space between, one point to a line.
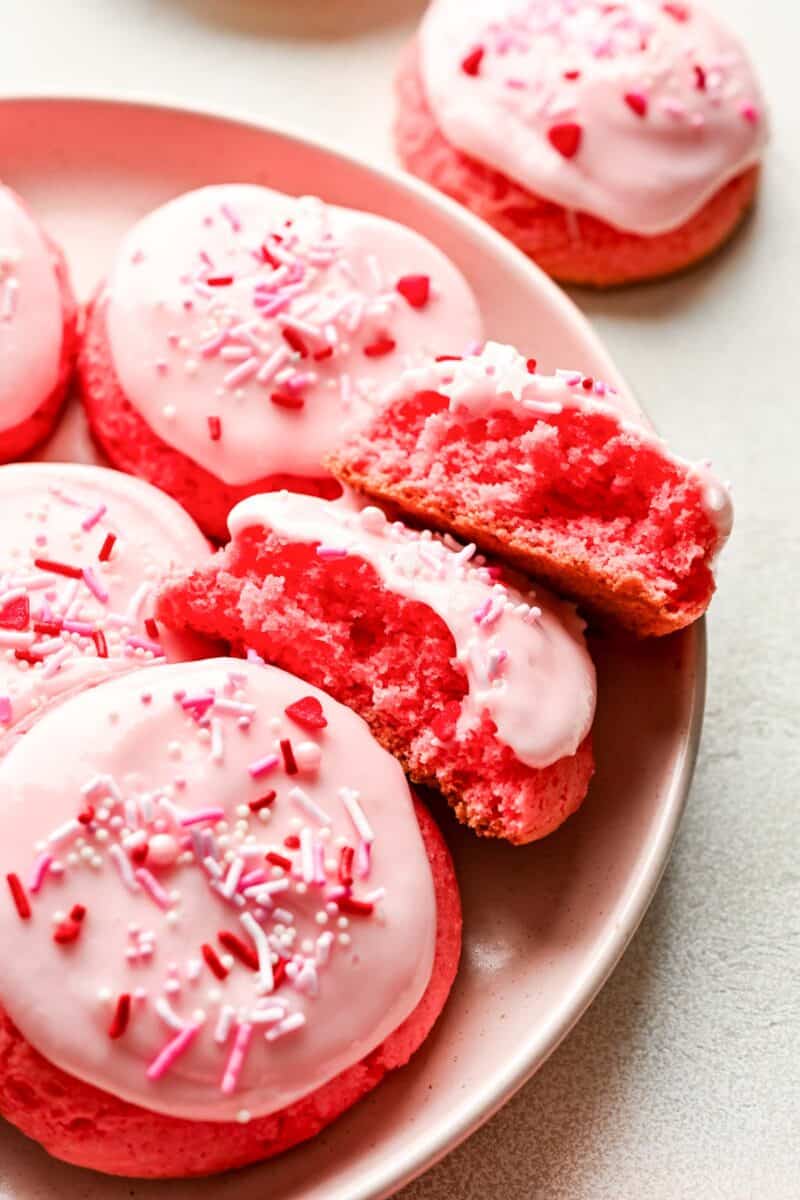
242 372
244 1033
89 522
153 887
6 712
212 346
231 217
40 868
203 814
172 1051
263 765
749 112
94 585
481 612
363 859
329 552
140 643
84 628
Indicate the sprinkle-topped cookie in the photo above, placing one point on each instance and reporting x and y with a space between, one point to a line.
636 112
37 329
82 550
224 883
247 328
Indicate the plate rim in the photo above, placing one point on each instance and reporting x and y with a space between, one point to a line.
387 1178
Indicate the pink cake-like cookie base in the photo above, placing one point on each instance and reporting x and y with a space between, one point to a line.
20 439
572 247
388 658
132 446
80 1124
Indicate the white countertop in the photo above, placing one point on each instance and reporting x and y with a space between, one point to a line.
683 1079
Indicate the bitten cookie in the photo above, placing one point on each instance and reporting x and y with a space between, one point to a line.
610 142
38 330
547 472
482 691
224 920
81 552
241 330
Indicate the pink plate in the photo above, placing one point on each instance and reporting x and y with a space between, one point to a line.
545 925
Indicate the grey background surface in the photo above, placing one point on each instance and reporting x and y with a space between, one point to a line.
683 1078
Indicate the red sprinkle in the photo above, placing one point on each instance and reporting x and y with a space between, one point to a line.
51 628
16 613
307 712
471 65
58 568
292 842
278 860
26 656
587 384
278 973
213 962
107 547
565 138
356 908
637 103
699 78
268 256
219 280
19 896
121 1017
99 639
286 400
572 74
294 340
530 363
415 289
321 355
447 358
214 428
239 948
86 815
678 12
346 866
382 345
68 930
265 801
288 757
151 628
139 854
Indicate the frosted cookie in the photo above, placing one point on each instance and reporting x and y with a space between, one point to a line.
224 919
611 142
38 330
82 550
547 472
482 691
241 330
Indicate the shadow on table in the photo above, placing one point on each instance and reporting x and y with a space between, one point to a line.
301 19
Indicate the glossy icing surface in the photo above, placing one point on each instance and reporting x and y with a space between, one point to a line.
636 111
31 324
499 379
152 802
523 654
250 328
102 541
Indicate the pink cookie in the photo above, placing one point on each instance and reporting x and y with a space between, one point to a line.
611 142
481 690
82 550
38 330
225 919
242 330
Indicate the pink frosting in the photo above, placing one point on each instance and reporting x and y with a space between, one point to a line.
176 759
636 111
232 304
498 379
58 632
31 323
523 653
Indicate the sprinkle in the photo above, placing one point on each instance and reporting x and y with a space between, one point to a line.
307 712
471 64
39 873
227 1014
295 1021
168 1014
173 1050
637 103
19 896
357 815
140 643
218 280
304 801
94 585
287 400
121 1017
265 982
64 831
234 1066
203 815
355 908
262 766
268 1016
288 756
749 111
328 553
565 138
58 568
214 428
382 345
213 961
265 801
678 12
89 522
100 644
122 863
107 547
295 341
153 887
241 373
415 289
346 866
68 930
239 948
6 710
278 860
231 881
699 78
